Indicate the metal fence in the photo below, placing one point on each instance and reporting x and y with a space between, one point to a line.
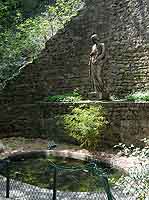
63 183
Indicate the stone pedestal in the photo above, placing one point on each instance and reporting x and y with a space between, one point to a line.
98 96
2 147
94 96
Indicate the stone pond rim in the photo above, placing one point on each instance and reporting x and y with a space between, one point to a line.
67 154
18 156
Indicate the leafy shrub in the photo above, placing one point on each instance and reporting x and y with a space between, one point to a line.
136 182
86 124
67 97
139 96
140 153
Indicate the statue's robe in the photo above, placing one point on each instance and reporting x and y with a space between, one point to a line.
97 56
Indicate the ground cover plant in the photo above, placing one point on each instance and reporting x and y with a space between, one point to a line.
136 182
66 97
141 96
138 96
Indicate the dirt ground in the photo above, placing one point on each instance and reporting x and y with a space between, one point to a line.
20 144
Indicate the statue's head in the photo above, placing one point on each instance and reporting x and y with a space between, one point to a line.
94 38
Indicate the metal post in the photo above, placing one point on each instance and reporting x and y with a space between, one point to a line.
7 180
107 188
54 184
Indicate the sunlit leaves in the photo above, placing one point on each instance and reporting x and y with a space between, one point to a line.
22 38
86 124
63 11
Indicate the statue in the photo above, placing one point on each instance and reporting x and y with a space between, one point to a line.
96 63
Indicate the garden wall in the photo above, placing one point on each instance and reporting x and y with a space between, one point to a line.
63 65
128 44
128 122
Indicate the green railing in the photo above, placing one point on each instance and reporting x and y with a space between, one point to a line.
97 184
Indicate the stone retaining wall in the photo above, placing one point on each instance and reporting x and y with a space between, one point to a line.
128 122
128 46
63 65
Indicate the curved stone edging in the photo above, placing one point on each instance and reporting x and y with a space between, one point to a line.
45 153
120 163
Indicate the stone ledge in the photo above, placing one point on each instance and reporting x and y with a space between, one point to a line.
94 102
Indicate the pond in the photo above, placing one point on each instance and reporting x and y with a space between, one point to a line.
72 175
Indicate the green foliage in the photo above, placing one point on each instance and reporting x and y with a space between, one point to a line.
14 12
136 182
21 38
67 97
18 48
139 96
140 153
63 11
25 27
86 124
8 13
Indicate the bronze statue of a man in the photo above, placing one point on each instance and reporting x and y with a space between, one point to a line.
96 63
